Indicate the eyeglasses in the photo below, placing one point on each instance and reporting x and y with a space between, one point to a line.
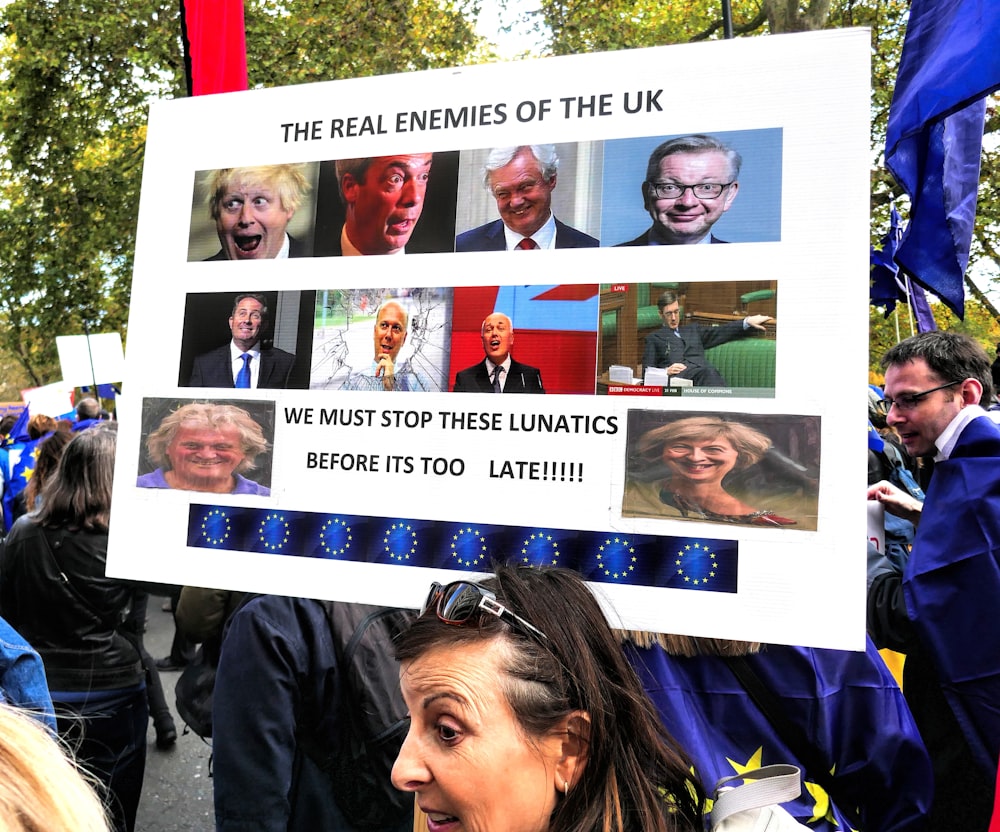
461 602
908 401
675 190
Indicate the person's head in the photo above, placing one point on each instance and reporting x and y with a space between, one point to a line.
79 494
498 337
252 207
202 445
929 378
41 788
391 323
691 182
247 320
88 408
384 196
39 425
702 448
532 720
50 451
7 424
522 180
670 309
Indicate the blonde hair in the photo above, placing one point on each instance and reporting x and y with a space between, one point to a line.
689 646
208 415
42 789
288 180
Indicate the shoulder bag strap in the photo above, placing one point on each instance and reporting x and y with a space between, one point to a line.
816 766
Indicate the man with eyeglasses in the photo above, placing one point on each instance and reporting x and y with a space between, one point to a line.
940 609
521 180
680 350
691 181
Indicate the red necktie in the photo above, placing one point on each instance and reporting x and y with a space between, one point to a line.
527 244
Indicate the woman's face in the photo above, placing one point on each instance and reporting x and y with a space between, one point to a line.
472 768
700 460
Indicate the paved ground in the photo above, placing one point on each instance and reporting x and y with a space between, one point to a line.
177 791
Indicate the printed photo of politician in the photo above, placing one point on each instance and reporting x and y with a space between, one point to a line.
739 469
697 188
220 447
537 338
381 339
260 212
689 337
386 205
250 339
529 197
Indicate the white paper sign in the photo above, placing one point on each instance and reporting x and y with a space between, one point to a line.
345 483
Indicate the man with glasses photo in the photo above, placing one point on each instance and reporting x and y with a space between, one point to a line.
940 609
691 181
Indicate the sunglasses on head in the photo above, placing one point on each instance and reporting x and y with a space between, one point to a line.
462 602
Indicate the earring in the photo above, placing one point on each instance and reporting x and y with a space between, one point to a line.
566 787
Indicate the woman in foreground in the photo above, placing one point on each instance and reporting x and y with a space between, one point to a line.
526 717
54 590
41 789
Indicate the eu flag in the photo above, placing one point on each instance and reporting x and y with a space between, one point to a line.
950 62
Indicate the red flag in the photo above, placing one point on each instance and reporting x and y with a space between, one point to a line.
215 45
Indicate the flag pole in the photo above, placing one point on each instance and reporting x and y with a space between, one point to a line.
727 20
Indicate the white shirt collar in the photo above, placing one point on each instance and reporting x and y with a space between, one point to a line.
545 236
347 248
949 437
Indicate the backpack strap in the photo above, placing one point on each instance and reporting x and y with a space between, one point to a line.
766 786
817 767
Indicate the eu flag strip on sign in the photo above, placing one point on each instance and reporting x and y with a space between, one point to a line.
950 62
704 564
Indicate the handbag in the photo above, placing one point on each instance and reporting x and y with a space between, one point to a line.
194 691
755 806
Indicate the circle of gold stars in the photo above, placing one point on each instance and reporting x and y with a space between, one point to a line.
543 538
267 525
457 543
616 543
213 540
324 539
679 562
402 554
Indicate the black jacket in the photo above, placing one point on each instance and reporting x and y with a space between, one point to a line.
53 590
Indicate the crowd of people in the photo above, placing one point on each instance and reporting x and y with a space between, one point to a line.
513 704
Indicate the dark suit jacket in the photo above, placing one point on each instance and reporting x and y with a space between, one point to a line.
643 240
662 348
215 369
520 379
295 249
490 237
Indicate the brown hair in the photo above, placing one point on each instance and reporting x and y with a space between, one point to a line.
636 777
79 495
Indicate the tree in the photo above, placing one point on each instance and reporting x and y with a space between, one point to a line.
581 26
75 81
980 323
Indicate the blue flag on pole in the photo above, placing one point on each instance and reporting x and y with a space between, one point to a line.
950 62
887 285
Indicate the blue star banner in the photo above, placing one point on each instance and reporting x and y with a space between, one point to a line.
696 563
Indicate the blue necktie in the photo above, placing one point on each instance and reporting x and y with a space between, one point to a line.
496 380
243 377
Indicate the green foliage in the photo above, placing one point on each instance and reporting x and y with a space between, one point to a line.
980 323
75 81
